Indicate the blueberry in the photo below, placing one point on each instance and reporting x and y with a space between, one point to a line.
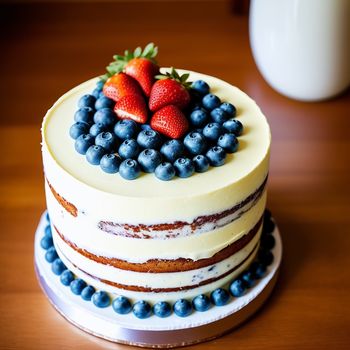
220 296
66 278
218 115
94 154
229 108
228 142
199 117
257 269
212 131
48 231
172 149
110 163
96 92
248 278
201 87
149 139
77 286
97 129
85 114
201 163
265 257
129 169
162 309
129 149
78 129
165 171
46 242
201 303
267 214
142 309
182 308
126 129
105 116
121 305
267 242
237 288
268 226
234 126
101 299
51 255
149 159
87 293
83 142
184 167
104 102
87 101
195 143
58 267
210 102
99 84
47 216
146 127
107 140
216 156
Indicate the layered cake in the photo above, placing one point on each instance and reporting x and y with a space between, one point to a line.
156 201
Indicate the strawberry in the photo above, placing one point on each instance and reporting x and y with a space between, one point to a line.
170 121
132 107
121 84
139 64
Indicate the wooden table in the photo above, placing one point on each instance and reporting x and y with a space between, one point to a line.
47 49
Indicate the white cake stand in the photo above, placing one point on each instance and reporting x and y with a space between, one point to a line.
153 332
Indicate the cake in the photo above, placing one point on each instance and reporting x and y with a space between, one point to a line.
147 248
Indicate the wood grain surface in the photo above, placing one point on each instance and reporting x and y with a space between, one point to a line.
49 48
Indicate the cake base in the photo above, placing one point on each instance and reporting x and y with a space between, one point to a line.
153 332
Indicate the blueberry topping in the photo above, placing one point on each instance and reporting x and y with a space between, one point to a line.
184 167
201 87
149 159
237 288
268 226
51 255
87 101
228 142
99 84
105 116
149 139
129 169
229 108
83 142
142 309
46 242
78 129
58 267
87 293
234 126
199 117
182 308
212 131
47 216
107 140
126 129
201 303
48 231
195 143
248 278
258 270
201 163
104 102
66 278
165 171
216 156
265 257
129 149
85 114
94 154
172 149
77 286
210 102
220 297
267 242
121 305
96 93
162 309
218 115
110 163
97 129
101 299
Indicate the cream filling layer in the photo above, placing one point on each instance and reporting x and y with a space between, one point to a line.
84 232
148 200
155 280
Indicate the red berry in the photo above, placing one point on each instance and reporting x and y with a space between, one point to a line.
132 107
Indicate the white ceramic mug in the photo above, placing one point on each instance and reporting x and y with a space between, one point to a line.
302 47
